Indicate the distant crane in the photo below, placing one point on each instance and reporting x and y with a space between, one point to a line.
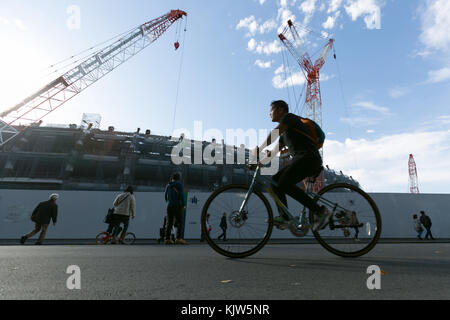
56 93
413 180
312 73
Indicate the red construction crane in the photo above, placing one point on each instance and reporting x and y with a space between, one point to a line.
35 107
413 180
312 73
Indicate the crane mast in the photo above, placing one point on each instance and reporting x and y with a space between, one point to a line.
35 107
312 74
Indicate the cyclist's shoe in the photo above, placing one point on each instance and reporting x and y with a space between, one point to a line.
180 241
321 218
169 242
280 223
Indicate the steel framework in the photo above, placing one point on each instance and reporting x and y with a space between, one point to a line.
35 107
413 179
312 74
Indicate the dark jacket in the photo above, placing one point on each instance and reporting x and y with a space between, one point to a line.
426 221
175 194
45 211
223 223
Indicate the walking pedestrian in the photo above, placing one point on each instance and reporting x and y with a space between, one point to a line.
124 208
223 225
41 216
418 226
426 222
174 196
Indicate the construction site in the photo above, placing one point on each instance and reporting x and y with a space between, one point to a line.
81 157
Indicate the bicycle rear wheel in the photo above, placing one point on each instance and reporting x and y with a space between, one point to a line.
246 233
103 238
355 225
130 238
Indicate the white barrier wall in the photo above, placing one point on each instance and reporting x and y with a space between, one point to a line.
81 213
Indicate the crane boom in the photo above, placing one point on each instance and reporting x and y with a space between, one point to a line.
35 107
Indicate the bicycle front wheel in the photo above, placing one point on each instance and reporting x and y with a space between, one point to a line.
102 238
355 225
234 234
130 238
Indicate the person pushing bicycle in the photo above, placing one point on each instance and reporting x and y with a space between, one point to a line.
306 162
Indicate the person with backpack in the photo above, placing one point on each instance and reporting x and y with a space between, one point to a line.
124 208
426 222
418 226
174 196
304 138
41 216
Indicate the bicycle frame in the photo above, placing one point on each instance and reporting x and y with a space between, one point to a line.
301 219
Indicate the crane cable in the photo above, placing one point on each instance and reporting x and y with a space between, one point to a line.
355 159
179 78
84 51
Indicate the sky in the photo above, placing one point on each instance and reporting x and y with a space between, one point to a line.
385 96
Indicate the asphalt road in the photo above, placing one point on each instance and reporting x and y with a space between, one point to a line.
195 272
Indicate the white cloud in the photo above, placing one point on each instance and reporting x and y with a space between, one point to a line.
308 7
368 105
439 122
249 23
436 24
261 2
370 9
4 21
251 44
253 26
334 5
263 64
295 79
380 165
263 47
370 131
267 26
440 75
360 121
398 92
18 23
331 21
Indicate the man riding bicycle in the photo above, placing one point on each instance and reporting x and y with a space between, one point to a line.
306 162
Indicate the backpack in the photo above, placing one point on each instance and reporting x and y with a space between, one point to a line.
174 192
314 132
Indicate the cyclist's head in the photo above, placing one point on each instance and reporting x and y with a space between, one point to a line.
129 189
278 109
176 176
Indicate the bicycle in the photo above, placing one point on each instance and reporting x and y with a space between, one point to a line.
105 237
250 218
